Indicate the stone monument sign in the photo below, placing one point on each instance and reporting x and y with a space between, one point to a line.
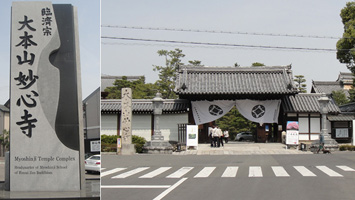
46 135
126 122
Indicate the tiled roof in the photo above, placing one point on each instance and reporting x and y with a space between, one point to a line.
234 80
145 105
346 108
346 77
306 103
108 81
327 87
340 118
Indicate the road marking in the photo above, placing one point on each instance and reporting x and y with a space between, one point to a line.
304 171
230 172
205 172
280 171
163 194
111 171
179 173
255 171
102 169
155 172
134 186
329 171
346 168
132 172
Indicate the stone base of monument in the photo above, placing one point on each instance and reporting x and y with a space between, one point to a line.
329 144
158 147
128 149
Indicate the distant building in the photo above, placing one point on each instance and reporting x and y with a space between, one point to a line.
344 83
91 122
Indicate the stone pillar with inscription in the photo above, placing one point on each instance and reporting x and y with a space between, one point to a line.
46 134
126 122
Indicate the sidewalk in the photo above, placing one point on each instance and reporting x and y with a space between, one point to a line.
243 148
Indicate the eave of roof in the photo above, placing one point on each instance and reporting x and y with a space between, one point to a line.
306 103
145 106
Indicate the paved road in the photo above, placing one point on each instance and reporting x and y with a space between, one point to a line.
315 176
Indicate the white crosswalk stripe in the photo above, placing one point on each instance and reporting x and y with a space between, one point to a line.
329 171
156 172
255 171
132 172
179 173
230 172
304 171
280 171
111 171
346 168
205 172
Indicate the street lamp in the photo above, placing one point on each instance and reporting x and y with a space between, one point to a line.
323 102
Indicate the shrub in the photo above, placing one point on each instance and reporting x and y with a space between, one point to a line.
138 143
347 148
110 139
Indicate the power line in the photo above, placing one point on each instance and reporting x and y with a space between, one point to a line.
221 44
223 32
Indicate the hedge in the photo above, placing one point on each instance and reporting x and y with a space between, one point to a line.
109 143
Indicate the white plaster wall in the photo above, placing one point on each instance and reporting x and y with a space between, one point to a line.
314 137
303 125
169 125
303 137
109 124
141 126
315 125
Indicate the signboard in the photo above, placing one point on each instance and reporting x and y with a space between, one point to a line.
95 146
192 135
341 133
45 116
292 133
119 145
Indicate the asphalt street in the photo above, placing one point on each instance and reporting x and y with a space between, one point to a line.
312 176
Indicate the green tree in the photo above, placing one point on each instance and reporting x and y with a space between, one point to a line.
257 64
234 122
346 44
140 90
167 73
340 97
300 83
4 139
195 62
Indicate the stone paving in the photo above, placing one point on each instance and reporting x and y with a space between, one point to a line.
243 148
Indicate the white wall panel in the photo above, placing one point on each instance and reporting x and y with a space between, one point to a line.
109 124
315 125
303 125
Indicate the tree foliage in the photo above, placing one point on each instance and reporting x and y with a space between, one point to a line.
346 45
300 83
234 122
167 75
195 62
140 90
5 139
340 97
257 64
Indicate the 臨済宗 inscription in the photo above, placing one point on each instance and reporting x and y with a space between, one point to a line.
40 159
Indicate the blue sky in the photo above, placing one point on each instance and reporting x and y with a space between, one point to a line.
89 38
303 17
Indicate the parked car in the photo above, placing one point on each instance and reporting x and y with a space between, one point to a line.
244 136
93 164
